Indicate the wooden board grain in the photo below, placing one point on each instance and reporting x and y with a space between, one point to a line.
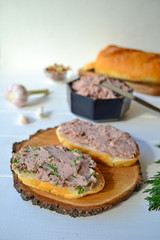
120 184
146 88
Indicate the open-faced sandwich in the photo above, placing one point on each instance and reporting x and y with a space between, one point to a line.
54 169
66 179
104 142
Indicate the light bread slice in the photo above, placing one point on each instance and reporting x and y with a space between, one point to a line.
66 192
98 155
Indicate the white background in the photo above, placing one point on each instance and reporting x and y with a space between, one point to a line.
35 34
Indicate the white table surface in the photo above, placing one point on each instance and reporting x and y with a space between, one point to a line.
21 220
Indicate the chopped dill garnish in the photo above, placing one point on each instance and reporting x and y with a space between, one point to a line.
36 147
94 174
54 168
79 152
56 174
74 162
15 160
26 150
36 165
56 183
81 189
73 151
36 155
27 171
73 176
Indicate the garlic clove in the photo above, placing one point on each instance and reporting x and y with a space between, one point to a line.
22 119
18 95
40 112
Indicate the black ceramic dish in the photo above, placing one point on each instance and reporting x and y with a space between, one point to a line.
96 109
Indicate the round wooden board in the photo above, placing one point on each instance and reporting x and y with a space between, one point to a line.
120 184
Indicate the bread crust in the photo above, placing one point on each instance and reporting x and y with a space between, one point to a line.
128 64
100 156
89 66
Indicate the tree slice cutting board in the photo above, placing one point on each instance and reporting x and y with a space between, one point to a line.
120 184
146 88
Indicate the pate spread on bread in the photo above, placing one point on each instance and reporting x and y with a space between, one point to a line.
58 170
103 142
127 64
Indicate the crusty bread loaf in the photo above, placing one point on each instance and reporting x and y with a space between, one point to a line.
66 192
127 64
100 156
89 66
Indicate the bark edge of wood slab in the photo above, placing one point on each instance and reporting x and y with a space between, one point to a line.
119 185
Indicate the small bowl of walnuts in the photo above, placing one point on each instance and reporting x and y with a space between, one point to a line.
58 72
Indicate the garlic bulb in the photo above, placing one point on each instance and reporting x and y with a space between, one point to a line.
18 95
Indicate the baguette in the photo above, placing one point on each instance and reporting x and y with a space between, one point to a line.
127 64
30 179
89 66
104 157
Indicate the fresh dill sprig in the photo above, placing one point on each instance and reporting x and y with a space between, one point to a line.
158 161
154 192
157 145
